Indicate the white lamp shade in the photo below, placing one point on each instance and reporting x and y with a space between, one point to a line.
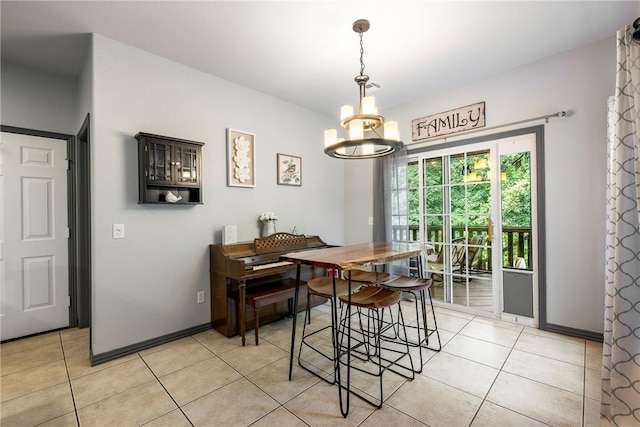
391 131
346 111
368 105
356 130
330 137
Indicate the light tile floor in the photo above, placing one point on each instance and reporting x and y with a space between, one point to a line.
489 373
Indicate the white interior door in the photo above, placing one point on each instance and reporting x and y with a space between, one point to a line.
34 268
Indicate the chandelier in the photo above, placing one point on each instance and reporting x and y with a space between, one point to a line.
367 134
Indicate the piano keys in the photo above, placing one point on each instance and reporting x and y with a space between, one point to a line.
236 267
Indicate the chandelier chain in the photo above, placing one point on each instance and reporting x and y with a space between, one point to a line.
361 55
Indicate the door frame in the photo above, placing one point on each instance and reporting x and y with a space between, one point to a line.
80 304
80 218
538 131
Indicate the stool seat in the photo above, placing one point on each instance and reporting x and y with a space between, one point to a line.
323 286
371 277
406 283
373 297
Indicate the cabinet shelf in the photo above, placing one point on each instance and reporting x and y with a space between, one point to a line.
167 164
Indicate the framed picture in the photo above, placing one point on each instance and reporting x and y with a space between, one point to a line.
289 170
241 159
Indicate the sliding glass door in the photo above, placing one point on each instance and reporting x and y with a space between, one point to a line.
472 207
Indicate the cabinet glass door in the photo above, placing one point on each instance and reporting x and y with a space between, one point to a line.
159 163
186 165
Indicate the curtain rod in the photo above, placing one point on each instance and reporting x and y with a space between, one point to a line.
466 132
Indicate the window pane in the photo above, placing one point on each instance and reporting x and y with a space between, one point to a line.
457 169
433 200
458 199
432 171
479 197
515 186
434 228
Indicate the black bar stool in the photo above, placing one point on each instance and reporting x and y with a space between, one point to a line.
331 288
420 288
365 342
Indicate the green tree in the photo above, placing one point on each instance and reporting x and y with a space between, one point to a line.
471 193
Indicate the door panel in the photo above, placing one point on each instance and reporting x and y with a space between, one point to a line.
457 208
477 214
37 209
34 281
518 229
38 282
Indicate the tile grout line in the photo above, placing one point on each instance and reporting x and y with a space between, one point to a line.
66 368
484 399
165 390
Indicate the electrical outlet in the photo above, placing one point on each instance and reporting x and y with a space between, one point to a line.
370 220
118 231
200 296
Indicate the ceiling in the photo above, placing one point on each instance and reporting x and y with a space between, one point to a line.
305 52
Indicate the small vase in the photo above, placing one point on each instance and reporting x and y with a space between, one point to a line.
268 228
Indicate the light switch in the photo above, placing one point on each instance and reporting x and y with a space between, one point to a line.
118 231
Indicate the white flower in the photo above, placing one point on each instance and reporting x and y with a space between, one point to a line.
268 216
241 144
242 174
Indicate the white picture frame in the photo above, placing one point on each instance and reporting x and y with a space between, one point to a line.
241 159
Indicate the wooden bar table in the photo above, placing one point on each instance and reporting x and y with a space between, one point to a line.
345 258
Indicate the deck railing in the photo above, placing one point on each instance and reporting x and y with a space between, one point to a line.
516 243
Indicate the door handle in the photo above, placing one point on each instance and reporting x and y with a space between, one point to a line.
489 230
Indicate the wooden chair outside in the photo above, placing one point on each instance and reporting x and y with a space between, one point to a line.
457 260
459 257
476 247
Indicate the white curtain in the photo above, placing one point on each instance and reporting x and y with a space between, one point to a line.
621 349
391 204
391 198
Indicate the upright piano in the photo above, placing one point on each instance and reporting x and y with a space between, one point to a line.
236 267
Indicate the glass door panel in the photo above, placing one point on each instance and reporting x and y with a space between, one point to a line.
160 163
187 165
517 230
457 209
515 172
477 213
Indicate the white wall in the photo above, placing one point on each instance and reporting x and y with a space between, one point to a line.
35 100
145 285
579 81
358 200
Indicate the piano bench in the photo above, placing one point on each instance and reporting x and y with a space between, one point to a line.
269 294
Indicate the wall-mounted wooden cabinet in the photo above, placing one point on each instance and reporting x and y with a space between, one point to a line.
166 165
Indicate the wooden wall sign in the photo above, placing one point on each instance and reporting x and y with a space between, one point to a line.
452 121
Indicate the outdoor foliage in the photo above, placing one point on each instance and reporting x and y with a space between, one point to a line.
473 196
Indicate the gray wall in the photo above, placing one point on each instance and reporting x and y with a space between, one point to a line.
579 81
85 89
145 285
36 100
